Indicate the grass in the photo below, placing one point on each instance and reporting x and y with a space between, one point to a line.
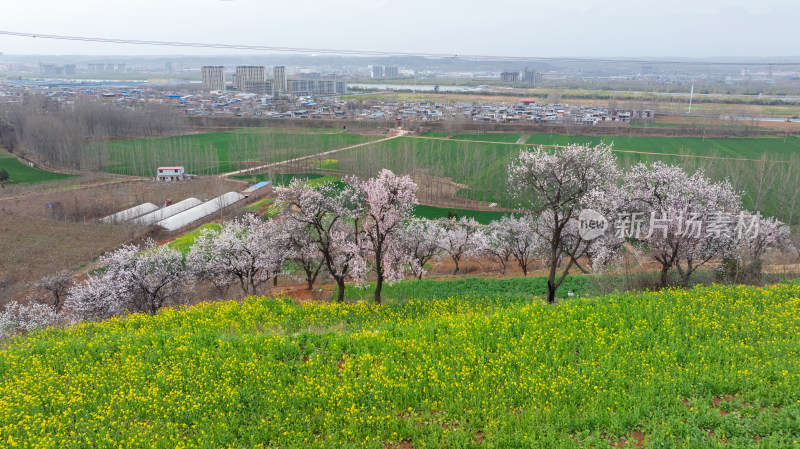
476 287
735 147
328 164
220 152
283 179
678 368
481 216
184 243
260 204
482 163
20 173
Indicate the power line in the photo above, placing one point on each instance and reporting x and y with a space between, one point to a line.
387 53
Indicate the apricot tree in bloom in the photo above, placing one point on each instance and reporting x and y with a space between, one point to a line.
683 220
332 217
461 239
555 186
135 278
247 251
388 202
513 237
420 240
299 238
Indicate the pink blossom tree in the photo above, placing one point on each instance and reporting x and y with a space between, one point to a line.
247 251
555 186
420 239
388 202
333 218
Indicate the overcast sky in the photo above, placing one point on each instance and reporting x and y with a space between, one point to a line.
551 28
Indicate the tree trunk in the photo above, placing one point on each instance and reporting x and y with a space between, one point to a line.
551 292
664 270
340 293
275 281
378 287
456 262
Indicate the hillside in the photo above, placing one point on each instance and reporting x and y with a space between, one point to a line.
678 368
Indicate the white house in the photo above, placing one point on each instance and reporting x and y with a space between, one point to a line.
170 174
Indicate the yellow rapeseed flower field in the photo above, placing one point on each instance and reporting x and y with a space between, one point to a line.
678 368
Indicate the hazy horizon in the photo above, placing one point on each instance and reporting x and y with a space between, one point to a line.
582 28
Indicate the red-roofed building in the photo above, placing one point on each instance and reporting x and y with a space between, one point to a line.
170 174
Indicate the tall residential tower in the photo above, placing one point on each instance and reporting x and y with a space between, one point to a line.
249 74
213 77
280 85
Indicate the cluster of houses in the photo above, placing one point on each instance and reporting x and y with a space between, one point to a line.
238 104
524 111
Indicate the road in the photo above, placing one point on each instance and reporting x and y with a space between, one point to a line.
400 132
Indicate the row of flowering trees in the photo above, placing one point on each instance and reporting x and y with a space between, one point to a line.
578 210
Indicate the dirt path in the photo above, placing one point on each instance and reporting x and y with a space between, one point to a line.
72 188
400 132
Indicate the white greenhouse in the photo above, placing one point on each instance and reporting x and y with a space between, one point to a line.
188 217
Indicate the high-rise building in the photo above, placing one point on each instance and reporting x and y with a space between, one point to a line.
279 75
47 69
97 68
326 87
377 71
213 77
69 69
509 76
391 72
531 77
301 88
258 87
249 73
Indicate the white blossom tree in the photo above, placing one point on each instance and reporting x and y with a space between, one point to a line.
304 253
99 297
135 278
247 251
388 202
497 244
755 236
420 239
58 285
555 186
333 218
461 239
514 237
41 309
26 317
683 220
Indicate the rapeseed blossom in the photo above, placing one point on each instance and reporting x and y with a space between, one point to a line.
686 368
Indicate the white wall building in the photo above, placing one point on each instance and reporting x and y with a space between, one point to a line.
170 174
213 77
